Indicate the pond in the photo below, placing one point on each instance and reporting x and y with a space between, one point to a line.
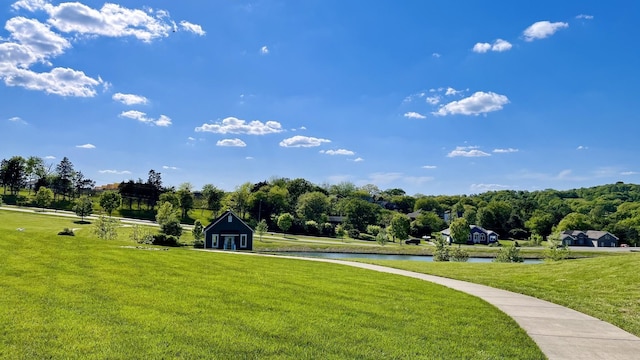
334 255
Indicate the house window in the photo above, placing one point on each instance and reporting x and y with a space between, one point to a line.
482 238
214 241
243 240
230 218
476 237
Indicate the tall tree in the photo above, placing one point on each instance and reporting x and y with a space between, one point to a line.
154 183
212 198
239 198
312 206
400 225
261 228
460 230
185 195
13 174
64 180
35 169
44 197
285 221
360 213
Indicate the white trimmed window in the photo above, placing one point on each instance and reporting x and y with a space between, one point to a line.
476 237
243 240
214 241
229 218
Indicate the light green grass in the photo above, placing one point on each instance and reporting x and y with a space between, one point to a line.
605 287
80 297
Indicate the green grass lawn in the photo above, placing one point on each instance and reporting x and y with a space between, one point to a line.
80 297
606 287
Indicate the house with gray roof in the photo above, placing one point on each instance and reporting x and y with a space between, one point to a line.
591 238
477 235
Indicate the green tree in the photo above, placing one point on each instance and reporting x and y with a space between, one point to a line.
575 221
44 197
198 231
109 201
170 197
509 253
540 223
186 198
460 230
34 169
400 225
458 254
285 221
381 237
239 199
427 223
261 228
168 219
106 228
441 252
312 206
13 174
360 213
212 198
83 206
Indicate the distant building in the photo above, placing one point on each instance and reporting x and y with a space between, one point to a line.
477 235
228 232
591 238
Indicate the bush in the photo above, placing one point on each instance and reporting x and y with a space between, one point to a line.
340 231
353 233
373 229
67 232
441 252
172 228
459 255
311 227
328 229
165 240
509 253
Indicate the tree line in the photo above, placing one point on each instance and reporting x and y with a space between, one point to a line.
361 211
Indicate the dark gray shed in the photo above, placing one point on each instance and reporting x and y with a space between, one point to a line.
228 232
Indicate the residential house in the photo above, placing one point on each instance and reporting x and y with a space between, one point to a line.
591 238
477 235
228 232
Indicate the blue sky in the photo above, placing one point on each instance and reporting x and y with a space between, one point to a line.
446 97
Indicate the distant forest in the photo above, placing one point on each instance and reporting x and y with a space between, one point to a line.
362 210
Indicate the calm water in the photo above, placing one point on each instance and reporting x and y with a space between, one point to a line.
331 255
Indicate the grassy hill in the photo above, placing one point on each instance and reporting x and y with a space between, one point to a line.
80 297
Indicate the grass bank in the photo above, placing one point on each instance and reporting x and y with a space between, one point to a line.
80 297
605 287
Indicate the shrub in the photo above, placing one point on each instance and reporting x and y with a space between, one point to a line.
441 253
373 229
328 229
165 240
353 233
509 253
172 228
340 231
459 255
106 228
67 232
382 238
141 235
311 227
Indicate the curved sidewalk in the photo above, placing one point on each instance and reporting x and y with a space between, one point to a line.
561 333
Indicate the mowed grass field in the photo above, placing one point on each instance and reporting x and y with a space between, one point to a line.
605 287
81 297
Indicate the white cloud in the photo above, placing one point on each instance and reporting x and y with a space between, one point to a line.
627 173
542 29
130 99
303 141
451 91
433 100
585 17
338 152
436 55
481 47
194 28
249 158
169 167
505 151
264 50
488 187
429 167
163 121
358 159
86 146
232 125
499 45
414 115
115 172
231 143
467 151
50 157
191 138
478 103
413 97
18 120
582 147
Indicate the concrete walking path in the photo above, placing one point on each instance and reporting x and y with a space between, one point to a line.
560 332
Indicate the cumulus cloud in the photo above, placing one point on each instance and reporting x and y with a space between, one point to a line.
338 152
32 42
451 91
542 29
264 50
86 146
162 121
467 151
231 143
499 45
433 100
414 115
476 104
232 125
115 172
303 141
130 99
193 28
505 151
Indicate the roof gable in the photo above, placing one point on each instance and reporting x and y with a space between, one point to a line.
224 216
